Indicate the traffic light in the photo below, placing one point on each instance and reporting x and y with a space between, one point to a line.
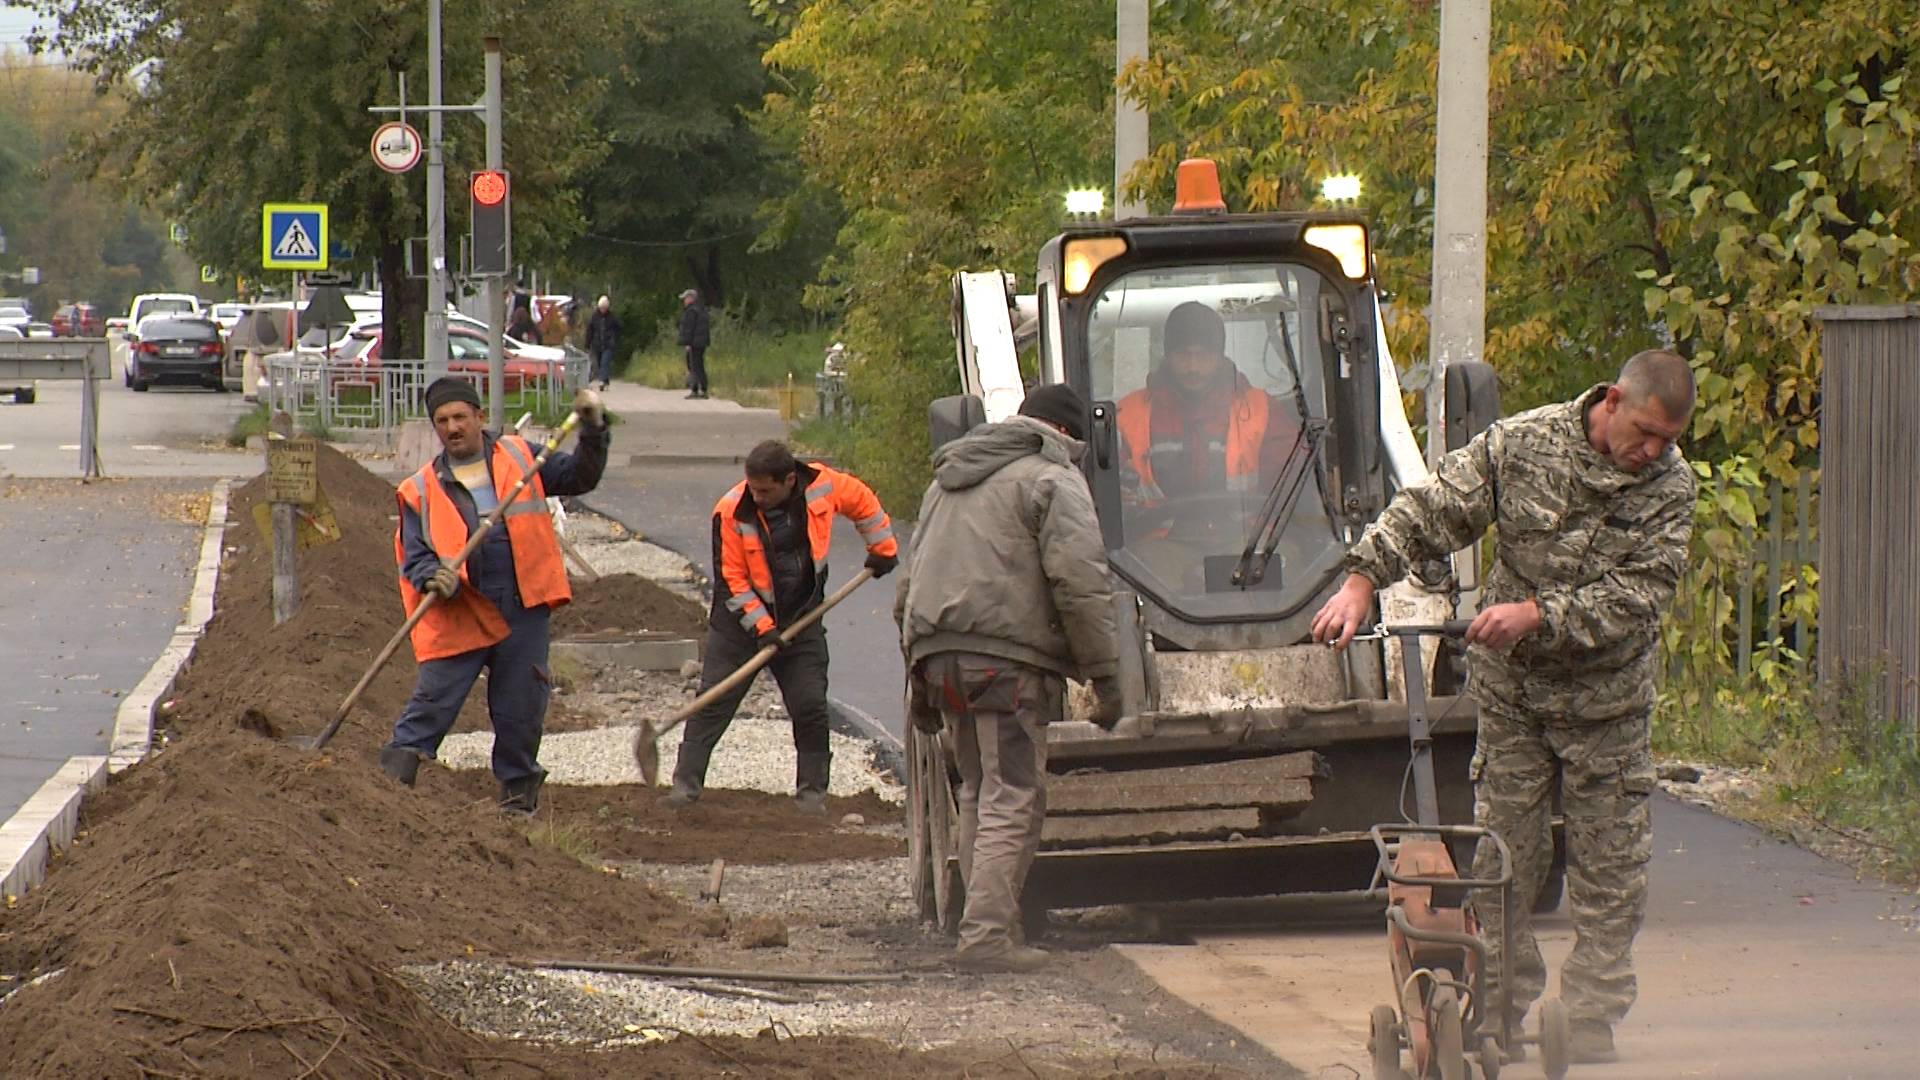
492 222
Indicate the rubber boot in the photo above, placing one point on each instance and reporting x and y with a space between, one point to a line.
810 772
400 763
689 778
522 797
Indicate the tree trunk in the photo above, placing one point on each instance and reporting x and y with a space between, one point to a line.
403 307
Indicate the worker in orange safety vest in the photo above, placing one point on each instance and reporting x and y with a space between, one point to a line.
493 610
771 533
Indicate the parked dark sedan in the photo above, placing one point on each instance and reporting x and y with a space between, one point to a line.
183 349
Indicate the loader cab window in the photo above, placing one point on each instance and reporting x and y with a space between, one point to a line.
1219 377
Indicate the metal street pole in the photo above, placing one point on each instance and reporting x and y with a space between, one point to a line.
1459 314
1129 119
436 329
496 303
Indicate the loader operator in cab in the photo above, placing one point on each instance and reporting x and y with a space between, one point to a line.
1198 426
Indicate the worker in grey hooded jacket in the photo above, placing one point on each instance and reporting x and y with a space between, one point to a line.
1005 596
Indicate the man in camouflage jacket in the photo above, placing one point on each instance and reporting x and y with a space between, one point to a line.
1591 506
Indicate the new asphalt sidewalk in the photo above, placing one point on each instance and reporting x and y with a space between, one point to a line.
673 458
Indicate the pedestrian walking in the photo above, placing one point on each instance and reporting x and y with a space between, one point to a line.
493 610
695 332
1591 505
771 534
603 341
1004 596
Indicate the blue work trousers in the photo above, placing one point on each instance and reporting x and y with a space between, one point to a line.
518 686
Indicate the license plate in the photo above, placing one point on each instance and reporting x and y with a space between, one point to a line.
179 350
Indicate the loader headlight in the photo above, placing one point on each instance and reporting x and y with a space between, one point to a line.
1347 243
1085 254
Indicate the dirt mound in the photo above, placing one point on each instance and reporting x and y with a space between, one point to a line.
627 821
628 602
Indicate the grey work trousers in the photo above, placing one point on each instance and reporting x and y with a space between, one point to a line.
996 713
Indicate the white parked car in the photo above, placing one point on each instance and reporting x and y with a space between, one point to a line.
147 304
226 315
15 317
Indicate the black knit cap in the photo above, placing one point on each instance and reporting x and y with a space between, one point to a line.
1194 323
1060 404
446 390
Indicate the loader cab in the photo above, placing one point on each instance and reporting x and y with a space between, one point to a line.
1234 449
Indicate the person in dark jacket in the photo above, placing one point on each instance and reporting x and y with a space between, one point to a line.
520 326
771 533
695 332
493 610
603 341
1004 597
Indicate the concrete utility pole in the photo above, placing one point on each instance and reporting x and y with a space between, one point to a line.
436 357
1459 313
1129 119
496 303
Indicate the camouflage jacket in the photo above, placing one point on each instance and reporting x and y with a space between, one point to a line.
1600 549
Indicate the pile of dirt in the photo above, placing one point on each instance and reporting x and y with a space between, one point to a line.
628 602
627 821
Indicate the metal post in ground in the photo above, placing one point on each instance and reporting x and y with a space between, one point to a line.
496 306
436 328
1459 312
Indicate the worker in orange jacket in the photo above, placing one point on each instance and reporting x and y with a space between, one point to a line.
493 610
771 532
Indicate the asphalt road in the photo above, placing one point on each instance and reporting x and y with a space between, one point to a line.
94 577
1758 960
672 461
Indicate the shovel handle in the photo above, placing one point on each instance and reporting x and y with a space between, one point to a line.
474 540
758 660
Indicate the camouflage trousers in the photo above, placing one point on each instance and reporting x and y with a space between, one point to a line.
1604 773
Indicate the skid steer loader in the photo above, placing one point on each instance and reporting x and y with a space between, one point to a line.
1250 761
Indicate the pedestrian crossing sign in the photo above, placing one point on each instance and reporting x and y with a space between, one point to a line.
293 236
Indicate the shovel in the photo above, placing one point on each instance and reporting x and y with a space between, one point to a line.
316 742
646 749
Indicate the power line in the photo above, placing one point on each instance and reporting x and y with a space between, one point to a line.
668 243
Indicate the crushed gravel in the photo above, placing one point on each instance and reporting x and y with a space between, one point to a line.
609 548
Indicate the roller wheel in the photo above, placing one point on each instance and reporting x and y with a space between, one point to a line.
1449 1046
1383 1041
1556 1033
1490 1059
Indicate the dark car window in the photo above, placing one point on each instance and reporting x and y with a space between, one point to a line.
180 330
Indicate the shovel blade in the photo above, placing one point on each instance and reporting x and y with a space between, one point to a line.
646 753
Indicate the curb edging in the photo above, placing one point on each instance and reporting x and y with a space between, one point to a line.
46 822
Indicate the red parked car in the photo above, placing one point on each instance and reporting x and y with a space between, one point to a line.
77 320
467 352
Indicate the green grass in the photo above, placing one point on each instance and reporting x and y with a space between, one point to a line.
247 425
744 364
553 834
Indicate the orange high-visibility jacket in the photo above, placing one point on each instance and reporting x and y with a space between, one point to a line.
1246 430
469 621
745 573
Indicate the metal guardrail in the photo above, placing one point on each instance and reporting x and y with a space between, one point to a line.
88 360
343 394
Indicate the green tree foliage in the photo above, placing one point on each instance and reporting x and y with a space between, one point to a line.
87 242
1709 173
676 201
236 103
949 137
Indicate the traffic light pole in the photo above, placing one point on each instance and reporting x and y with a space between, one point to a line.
496 303
436 352
489 107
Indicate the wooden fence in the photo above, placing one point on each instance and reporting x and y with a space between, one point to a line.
1785 545
1870 503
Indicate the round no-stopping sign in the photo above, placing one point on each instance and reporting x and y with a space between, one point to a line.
396 147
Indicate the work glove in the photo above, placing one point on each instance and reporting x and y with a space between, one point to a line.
1107 705
770 638
591 410
444 582
882 565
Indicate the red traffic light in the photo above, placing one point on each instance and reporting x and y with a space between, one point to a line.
489 188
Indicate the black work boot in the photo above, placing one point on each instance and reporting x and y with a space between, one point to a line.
522 796
400 763
689 777
810 772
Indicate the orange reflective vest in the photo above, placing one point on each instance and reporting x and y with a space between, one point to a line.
469 621
1246 430
745 573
